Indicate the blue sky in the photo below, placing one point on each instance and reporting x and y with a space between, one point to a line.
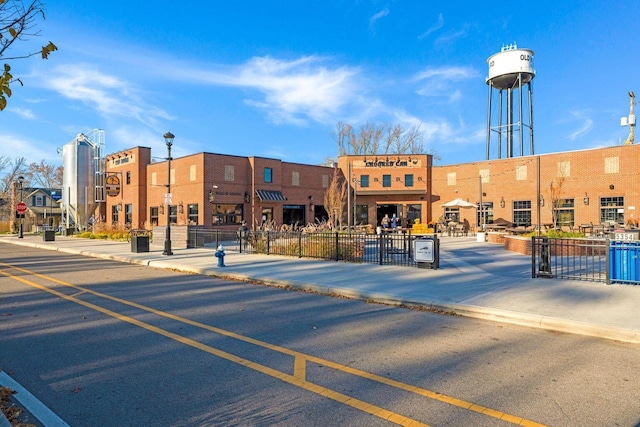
273 78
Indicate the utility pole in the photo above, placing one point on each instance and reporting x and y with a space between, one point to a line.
630 121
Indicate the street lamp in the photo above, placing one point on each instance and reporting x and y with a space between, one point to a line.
20 181
355 195
168 138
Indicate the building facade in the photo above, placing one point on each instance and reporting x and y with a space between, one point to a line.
212 190
567 189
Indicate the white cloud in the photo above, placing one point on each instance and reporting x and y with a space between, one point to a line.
110 96
23 112
372 21
441 82
433 28
293 91
586 124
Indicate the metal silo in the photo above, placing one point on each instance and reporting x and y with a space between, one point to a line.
509 71
80 181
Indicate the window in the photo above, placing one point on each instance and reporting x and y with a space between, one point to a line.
413 212
612 209
128 177
364 181
173 214
386 180
522 212
268 175
38 200
114 215
487 213
153 215
408 180
452 214
192 211
128 215
564 214
227 214
362 214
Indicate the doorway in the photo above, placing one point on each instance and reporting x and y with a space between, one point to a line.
383 210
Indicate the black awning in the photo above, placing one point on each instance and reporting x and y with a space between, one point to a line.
270 196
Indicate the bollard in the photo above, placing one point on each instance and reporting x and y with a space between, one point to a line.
220 255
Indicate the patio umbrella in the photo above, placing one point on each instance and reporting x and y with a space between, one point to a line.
459 203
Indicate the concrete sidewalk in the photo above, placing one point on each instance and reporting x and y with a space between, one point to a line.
475 279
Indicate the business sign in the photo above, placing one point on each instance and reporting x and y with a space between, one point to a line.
112 185
424 251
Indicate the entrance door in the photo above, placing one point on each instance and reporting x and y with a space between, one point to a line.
383 210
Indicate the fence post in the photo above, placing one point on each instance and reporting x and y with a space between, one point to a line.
299 244
268 242
533 256
545 261
607 274
337 249
381 245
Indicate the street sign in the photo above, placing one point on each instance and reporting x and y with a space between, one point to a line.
21 208
55 196
167 198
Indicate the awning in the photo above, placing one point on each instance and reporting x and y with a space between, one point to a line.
270 195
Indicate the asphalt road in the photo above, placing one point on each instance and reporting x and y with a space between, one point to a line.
112 344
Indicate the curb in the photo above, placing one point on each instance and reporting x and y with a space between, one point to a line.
537 321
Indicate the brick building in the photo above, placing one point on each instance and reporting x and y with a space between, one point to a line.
215 190
210 189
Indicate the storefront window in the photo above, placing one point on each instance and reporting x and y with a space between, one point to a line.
173 214
128 215
413 212
153 216
193 213
487 214
612 209
227 214
522 212
362 214
565 213
114 215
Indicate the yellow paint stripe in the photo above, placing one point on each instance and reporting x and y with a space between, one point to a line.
323 391
300 368
343 368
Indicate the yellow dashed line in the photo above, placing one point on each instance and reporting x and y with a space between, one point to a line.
300 359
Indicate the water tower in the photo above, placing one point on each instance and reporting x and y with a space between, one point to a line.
509 71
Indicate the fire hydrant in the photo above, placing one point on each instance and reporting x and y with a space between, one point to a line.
220 255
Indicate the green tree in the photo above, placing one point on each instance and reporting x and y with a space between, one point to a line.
18 23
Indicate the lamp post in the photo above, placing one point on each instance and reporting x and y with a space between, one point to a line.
168 138
20 181
355 195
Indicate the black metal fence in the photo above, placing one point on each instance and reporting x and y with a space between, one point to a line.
599 260
383 249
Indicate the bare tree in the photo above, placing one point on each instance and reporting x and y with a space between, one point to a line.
17 23
378 139
45 174
555 191
335 198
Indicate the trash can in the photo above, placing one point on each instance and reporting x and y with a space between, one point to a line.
48 235
139 241
481 236
624 261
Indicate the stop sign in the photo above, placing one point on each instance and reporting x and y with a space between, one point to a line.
21 208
